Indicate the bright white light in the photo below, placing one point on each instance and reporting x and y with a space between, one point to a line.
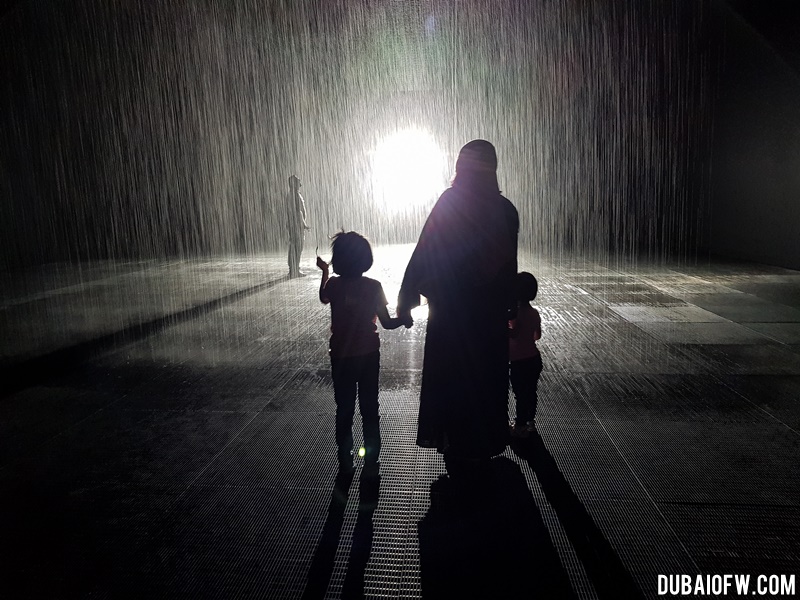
408 170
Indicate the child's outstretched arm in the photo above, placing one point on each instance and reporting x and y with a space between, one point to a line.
323 296
387 321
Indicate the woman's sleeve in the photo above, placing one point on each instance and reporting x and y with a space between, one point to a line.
408 298
418 270
512 265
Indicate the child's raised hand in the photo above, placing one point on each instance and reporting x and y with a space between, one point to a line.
322 264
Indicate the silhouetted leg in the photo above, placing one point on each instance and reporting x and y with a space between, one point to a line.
299 254
525 381
293 259
534 394
295 250
344 393
368 404
521 375
516 388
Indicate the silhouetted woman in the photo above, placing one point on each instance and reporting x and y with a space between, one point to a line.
465 263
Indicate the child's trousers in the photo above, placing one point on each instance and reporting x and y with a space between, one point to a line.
525 382
357 376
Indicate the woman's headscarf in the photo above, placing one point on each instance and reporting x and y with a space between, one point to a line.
476 167
470 234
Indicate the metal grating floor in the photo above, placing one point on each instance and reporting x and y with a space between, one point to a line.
169 434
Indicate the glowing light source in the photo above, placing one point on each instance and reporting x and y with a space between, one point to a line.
408 170
362 451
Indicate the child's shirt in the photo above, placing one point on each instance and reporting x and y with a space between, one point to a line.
528 328
354 302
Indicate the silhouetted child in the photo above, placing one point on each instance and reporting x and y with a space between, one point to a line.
355 302
526 362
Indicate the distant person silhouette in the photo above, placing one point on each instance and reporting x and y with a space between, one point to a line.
296 225
355 302
526 361
465 263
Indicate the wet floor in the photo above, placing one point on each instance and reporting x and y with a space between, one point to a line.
167 431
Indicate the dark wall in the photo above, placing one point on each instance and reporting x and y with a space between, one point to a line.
755 210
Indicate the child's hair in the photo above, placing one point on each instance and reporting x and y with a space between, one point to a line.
526 286
352 254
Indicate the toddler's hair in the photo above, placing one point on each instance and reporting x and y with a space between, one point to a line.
526 286
352 254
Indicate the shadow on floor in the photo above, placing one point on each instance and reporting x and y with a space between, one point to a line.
323 562
35 371
485 538
608 574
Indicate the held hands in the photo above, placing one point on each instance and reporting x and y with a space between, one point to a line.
405 318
